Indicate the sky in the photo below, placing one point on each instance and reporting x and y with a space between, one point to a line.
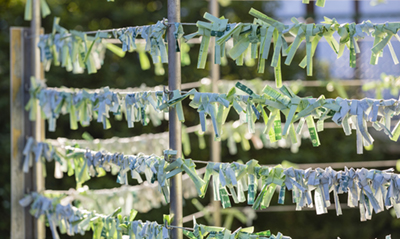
343 10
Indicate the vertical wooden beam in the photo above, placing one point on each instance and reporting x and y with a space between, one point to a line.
21 183
23 225
38 134
215 145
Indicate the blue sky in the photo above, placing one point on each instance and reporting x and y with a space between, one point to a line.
343 10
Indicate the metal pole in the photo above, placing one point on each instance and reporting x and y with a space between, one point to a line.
175 134
310 13
37 72
215 145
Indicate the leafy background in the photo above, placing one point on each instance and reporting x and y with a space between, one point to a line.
126 72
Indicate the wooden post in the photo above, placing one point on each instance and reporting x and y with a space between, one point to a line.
38 134
21 183
23 225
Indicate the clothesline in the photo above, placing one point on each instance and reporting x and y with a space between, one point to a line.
185 87
274 208
65 217
305 83
143 41
167 24
154 198
270 92
232 132
237 178
197 40
264 30
207 81
350 114
116 29
72 220
124 188
81 104
143 197
368 164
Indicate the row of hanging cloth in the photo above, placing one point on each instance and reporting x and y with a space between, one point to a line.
82 106
73 221
143 197
232 132
76 51
371 190
157 52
